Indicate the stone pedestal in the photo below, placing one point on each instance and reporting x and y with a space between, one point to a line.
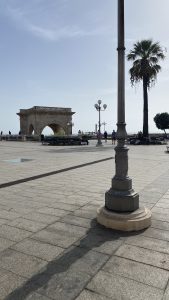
127 221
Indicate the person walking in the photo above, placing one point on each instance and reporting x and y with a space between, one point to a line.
105 136
113 137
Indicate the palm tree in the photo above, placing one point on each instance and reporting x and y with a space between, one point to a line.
145 57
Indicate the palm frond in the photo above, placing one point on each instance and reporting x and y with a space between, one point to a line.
145 56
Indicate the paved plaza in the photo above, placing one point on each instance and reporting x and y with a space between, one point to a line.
51 246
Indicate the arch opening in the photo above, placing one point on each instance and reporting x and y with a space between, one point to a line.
53 129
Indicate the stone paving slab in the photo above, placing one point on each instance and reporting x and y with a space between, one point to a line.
55 238
139 254
28 225
118 287
13 233
9 282
19 263
38 249
51 246
90 295
137 271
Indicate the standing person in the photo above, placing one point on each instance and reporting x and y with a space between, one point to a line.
113 137
9 132
105 136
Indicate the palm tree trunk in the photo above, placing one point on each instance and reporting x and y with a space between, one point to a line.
145 107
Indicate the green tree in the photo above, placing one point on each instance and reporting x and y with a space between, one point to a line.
145 56
162 121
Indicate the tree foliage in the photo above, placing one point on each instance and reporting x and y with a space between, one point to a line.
162 121
145 56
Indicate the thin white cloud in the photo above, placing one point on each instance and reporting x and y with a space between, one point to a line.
52 33
64 32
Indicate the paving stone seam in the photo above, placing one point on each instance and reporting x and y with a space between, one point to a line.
20 229
155 238
130 279
59 256
38 257
121 275
166 288
147 264
154 226
148 237
19 181
95 293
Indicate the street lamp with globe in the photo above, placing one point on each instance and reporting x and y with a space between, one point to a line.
99 109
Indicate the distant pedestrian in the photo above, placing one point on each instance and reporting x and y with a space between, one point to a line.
105 136
113 137
1 132
9 132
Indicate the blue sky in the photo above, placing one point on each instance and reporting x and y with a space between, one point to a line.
63 53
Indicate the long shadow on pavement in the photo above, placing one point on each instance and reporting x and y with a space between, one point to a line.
57 270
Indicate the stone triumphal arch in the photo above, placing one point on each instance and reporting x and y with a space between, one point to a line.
35 119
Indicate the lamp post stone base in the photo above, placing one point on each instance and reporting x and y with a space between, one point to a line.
129 221
121 201
99 144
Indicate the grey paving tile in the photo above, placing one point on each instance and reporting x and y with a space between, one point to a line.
90 295
43 218
166 294
13 233
8 215
21 210
143 255
149 243
55 238
38 249
75 220
3 221
100 243
35 296
68 229
117 287
160 210
88 214
19 263
81 259
4 244
160 217
64 206
160 225
137 271
157 234
65 285
53 211
162 205
27 224
9 282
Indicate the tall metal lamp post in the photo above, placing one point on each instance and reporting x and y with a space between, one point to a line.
99 109
121 210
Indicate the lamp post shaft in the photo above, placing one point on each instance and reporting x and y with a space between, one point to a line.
99 109
121 63
99 120
121 197
121 210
